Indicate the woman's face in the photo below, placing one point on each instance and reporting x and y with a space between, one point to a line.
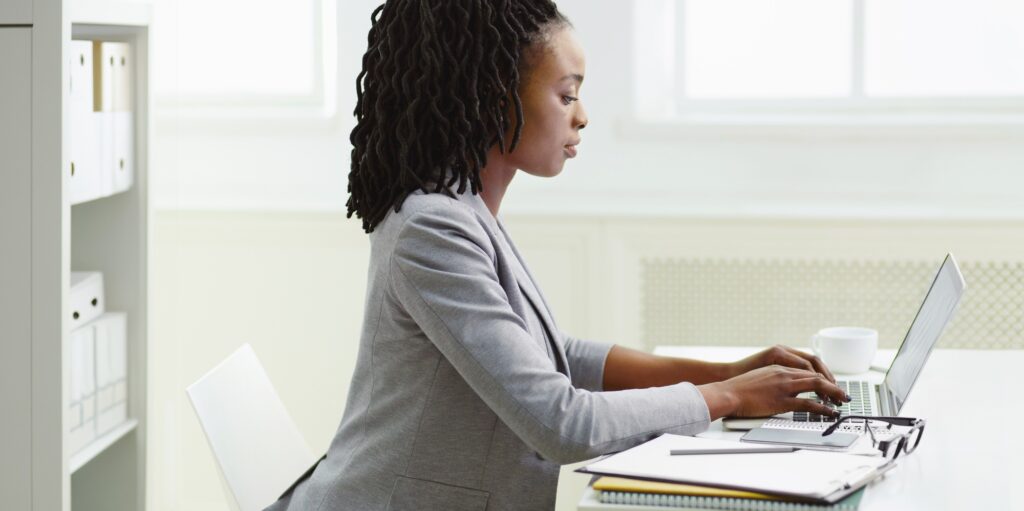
553 115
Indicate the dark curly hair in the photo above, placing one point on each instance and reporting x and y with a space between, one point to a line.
438 85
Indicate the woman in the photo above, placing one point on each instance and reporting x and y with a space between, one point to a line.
466 395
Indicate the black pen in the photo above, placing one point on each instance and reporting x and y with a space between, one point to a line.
680 452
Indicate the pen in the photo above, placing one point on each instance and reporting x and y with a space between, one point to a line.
680 452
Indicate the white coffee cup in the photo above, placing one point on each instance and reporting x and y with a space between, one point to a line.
846 349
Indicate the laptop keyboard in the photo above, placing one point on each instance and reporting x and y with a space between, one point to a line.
860 402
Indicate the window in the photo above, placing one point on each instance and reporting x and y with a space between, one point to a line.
900 57
240 57
944 48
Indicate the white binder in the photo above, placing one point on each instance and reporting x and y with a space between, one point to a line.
103 86
113 76
103 75
86 297
110 331
82 405
122 151
120 83
101 119
85 168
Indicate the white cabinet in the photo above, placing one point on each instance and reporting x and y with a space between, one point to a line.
44 411
110 235
15 12
15 259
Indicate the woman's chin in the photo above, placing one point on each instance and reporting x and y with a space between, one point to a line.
550 171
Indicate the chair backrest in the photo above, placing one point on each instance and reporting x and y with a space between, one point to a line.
258 448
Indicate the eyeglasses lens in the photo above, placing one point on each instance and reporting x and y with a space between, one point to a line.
913 438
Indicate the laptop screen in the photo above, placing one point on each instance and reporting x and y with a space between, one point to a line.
936 311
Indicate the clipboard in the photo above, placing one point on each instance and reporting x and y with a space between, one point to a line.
810 476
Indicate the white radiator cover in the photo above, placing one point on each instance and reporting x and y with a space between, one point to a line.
766 301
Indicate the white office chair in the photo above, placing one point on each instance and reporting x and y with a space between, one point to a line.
258 448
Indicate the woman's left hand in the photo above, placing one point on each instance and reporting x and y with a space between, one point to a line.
783 356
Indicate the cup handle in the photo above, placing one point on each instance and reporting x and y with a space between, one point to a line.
815 345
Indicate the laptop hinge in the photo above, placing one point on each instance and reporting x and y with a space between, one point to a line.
886 406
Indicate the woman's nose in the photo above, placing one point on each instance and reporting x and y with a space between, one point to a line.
581 116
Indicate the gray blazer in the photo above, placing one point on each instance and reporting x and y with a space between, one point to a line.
466 395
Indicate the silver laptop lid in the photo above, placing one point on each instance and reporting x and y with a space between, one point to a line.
935 312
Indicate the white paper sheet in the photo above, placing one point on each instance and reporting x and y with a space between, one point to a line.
814 474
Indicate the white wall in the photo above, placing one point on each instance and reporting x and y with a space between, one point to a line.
291 284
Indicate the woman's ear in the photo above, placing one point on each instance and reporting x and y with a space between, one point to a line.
510 116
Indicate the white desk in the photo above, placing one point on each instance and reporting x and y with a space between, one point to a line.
966 460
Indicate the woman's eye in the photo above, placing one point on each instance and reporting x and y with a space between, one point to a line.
569 99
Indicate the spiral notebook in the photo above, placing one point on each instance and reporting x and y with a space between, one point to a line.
815 477
632 492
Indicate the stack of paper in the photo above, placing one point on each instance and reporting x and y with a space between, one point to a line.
802 476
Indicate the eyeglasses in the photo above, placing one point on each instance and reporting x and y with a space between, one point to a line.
891 448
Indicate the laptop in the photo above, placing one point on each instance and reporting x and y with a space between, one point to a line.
886 398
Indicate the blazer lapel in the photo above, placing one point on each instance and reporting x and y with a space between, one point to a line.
523 278
529 288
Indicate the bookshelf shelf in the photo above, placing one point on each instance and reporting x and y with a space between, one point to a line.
123 14
80 458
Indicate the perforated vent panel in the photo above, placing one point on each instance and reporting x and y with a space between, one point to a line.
757 302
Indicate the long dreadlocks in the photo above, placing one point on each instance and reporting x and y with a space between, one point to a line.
439 81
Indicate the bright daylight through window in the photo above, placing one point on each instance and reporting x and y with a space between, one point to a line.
270 56
789 55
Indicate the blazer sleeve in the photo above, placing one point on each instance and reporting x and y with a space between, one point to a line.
586 362
443 274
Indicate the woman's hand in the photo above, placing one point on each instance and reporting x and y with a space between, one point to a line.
783 356
768 391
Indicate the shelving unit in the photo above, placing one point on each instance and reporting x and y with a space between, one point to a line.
43 238
111 235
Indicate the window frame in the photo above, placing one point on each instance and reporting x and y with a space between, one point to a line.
319 104
669 103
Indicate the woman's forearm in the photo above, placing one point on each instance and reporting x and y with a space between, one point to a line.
626 368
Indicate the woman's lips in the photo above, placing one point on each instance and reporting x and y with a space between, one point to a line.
571 150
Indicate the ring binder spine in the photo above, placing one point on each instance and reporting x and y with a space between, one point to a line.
721 503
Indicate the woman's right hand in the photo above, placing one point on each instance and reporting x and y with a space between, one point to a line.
768 391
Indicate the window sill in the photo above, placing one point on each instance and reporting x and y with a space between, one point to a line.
738 206
266 119
861 126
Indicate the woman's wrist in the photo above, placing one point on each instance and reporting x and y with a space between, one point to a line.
697 372
720 400
725 370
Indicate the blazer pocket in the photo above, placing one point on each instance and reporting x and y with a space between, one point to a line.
419 494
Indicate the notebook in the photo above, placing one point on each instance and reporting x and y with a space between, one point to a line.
624 485
806 476
620 493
